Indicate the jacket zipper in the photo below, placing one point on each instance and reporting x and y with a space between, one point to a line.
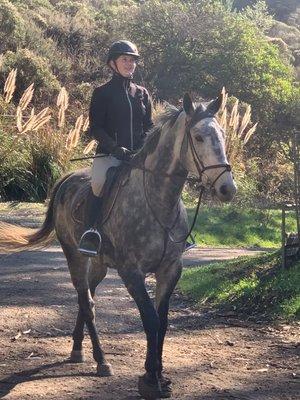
130 107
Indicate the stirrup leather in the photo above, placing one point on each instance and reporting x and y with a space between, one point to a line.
90 243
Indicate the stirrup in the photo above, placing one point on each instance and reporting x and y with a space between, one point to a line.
190 245
90 243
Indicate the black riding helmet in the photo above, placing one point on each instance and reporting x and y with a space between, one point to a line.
122 47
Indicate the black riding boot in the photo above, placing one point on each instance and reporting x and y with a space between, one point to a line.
90 242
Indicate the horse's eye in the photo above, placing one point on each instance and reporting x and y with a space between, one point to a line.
199 138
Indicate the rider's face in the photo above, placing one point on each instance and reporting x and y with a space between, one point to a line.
125 65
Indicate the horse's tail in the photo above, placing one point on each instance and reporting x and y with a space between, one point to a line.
15 238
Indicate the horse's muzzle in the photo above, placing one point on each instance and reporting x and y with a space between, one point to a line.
226 192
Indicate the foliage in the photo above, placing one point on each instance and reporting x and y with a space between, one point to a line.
12 32
31 68
35 149
281 9
255 286
259 15
210 48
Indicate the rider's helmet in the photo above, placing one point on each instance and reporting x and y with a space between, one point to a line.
122 47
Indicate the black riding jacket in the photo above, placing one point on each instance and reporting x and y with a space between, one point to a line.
120 115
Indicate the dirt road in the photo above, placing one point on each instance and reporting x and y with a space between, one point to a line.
207 356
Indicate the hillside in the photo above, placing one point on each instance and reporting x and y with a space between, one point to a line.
285 31
197 46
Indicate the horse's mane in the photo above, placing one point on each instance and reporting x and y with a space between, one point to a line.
169 116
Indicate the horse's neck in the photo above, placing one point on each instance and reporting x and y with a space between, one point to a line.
168 176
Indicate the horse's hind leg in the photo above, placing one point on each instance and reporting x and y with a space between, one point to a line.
79 273
96 275
82 279
166 278
86 306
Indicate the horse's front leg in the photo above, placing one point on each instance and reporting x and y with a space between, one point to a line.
149 384
166 277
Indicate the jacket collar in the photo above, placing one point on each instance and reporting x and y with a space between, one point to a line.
120 80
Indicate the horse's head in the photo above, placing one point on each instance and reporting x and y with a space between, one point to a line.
203 149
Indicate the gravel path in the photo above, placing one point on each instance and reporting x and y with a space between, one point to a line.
208 356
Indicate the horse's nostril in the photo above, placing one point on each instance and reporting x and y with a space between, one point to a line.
223 190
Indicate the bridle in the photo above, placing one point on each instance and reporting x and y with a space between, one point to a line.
201 169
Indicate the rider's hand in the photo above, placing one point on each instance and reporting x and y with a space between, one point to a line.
121 153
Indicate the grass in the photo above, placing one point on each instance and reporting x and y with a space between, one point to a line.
218 226
232 226
19 213
248 285
17 207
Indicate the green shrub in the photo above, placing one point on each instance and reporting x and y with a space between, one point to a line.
31 68
12 32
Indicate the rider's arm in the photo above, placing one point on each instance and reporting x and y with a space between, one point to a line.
97 113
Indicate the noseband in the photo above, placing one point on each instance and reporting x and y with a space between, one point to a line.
201 168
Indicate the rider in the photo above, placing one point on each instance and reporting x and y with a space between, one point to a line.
120 117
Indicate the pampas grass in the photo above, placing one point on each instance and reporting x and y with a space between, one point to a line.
10 85
62 103
74 134
26 97
33 122
89 147
86 124
42 135
237 127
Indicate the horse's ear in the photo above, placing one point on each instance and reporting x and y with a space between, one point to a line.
188 105
215 105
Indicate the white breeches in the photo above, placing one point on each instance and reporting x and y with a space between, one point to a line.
99 169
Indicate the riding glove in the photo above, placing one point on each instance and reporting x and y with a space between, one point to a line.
121 153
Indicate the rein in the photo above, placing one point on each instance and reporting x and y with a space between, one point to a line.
201 168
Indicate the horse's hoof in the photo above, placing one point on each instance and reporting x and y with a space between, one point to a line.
164 381
104 370
166 392
166 387
76 356
149 391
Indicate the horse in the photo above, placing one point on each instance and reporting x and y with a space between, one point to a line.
144 227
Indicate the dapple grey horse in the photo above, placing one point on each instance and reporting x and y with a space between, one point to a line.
143 228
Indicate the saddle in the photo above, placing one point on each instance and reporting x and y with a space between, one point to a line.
116 177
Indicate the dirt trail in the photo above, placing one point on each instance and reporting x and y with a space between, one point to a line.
207 356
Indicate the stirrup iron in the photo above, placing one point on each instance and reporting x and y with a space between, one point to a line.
90 243
190 244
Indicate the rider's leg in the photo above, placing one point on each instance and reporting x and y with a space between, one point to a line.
90 242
